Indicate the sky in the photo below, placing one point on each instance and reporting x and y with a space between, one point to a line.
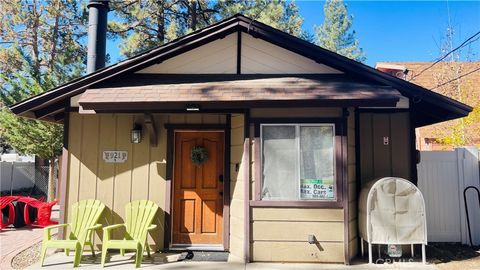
397 30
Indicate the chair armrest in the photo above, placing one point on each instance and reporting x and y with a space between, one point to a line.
111 227
94 227
47 230
108 229
152 226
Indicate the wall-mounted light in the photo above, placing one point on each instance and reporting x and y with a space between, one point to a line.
193 107
136 134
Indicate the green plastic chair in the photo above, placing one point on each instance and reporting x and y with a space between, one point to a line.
85 215
138 216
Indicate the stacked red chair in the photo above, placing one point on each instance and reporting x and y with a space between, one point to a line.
6 204
44 213
40 218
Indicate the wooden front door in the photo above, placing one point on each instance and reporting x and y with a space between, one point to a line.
198 189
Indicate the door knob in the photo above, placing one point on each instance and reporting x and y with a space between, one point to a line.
220 193
220 178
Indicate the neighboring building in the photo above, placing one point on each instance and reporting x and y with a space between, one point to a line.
292 131
428 136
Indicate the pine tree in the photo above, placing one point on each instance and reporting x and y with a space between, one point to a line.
335 33
39 48
145 24
280 14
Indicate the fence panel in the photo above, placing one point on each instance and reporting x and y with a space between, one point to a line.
442 178
24 178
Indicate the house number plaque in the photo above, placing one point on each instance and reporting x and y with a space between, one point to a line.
115 156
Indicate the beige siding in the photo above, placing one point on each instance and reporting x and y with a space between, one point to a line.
273 230
297 252
259 56
142 176
219 56
237 184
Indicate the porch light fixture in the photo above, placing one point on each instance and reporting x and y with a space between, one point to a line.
193 107
136 134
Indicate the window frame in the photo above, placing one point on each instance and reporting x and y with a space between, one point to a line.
339 161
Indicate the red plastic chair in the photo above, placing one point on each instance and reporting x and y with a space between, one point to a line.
6 202
44 213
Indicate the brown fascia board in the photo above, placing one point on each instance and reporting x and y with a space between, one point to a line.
256 29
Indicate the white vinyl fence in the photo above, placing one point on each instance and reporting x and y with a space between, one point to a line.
16 175
442 178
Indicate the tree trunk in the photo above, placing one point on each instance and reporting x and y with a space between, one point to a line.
51 174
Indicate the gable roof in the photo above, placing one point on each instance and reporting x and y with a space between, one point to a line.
431 106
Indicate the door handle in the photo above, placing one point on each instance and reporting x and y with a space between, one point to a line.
220 178
220 193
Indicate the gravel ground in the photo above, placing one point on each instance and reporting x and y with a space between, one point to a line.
27 257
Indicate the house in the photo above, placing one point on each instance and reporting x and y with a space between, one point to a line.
250 140
428 76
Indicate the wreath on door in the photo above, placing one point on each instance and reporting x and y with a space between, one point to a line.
199 155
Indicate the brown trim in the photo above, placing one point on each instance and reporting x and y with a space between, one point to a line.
49 110
171 128
152 129
346 201
179 106
392 110
196 126
168 193
246 179
297 204
358 168
239 52
413 146
64 170
226 184
340 133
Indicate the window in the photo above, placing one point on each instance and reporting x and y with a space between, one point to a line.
298 162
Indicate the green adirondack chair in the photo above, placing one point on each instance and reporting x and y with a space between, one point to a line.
138 216
85 215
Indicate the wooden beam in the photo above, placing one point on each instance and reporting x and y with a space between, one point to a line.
152 129
49 110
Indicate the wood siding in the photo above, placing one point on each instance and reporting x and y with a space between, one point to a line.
219 56
379 160
259 56
281 234
142 176
237 213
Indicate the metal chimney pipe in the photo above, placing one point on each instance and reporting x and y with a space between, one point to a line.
97 34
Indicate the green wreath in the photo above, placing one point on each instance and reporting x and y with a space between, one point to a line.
199 155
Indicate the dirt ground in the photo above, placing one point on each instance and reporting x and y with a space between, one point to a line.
453 256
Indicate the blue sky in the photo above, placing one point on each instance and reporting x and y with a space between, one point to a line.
397 30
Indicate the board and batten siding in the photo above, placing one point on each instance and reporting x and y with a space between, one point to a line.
281 234
257 57
142 176
376 158
237 190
